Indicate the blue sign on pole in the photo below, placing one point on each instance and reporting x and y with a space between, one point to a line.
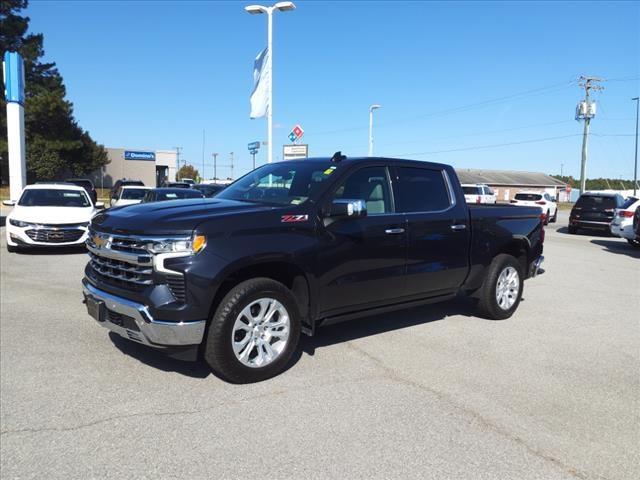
13 77
130 155
253 146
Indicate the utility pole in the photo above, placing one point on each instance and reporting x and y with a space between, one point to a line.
215 166
561 169
586 111
178 150
202 174
231 161
635 165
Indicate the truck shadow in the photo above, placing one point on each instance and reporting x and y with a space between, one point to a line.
585 233
616 246
375 325
324 337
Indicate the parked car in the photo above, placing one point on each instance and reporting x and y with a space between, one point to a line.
209 189
478 193
295 245
543 200
123 182
162 194
176 185
87 185
189 181
594 211
636 227
49 215
128 195
622 223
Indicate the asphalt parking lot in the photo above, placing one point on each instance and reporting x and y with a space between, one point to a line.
434 392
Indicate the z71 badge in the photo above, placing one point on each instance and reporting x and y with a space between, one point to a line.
294 218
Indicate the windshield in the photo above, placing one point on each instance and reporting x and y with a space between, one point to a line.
177 195
528 197
471 190
54 198
285 183
133 193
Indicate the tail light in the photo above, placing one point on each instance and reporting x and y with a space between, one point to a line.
625 213
478 199
540 202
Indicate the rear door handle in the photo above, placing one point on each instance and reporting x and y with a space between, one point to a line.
394 231
460 226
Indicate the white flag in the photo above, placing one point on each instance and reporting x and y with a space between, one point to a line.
261 82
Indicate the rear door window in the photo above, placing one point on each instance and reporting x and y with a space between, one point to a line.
471 190
628 202
421 190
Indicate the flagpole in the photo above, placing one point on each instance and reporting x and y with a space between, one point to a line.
270 67
258 9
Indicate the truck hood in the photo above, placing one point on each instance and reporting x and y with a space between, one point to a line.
52 215
169 217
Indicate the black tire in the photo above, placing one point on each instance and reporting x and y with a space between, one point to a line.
488 304
218 349
573 230
634 243
554 219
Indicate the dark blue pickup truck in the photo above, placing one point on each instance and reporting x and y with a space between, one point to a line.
295 245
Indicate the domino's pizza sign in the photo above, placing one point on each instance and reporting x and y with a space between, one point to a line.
132 155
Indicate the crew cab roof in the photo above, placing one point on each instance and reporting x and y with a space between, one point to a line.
54 186
357 160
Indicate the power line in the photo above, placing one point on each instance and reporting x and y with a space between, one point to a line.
515 96
481 147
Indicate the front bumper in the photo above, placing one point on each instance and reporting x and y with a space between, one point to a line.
133 321
53 236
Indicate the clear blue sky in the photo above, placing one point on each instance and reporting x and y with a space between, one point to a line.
154 74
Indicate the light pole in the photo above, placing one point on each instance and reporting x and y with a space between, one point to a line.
255 10
635 165
371 109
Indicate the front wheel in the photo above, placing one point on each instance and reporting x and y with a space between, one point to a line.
253 332
501 290
573 230
554 219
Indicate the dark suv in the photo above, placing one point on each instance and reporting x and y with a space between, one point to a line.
594 211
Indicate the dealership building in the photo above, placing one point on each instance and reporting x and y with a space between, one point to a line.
151 166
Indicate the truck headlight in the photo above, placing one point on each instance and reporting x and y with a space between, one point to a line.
179 245
20 223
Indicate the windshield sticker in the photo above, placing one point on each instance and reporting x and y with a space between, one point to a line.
294 218
329 170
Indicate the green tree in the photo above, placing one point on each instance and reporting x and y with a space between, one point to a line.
56 145
188 171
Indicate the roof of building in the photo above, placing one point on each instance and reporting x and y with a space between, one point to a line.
507 177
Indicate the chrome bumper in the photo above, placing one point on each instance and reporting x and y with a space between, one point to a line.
154 333
537 264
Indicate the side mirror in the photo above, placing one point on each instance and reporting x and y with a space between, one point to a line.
9 203
553 199
100 205
344 208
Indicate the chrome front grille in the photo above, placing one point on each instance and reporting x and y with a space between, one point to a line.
120 271
55 235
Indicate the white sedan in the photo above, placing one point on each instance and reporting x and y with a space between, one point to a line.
622 224
128 195
49 215
478 193
546 203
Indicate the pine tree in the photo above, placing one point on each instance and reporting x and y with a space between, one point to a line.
56 145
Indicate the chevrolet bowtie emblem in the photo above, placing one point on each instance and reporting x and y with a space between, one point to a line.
100 241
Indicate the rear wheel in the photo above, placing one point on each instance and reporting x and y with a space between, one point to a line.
501 290
573 230
554 219
254 332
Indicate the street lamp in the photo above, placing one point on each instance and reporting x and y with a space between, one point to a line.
635 165
371 109
256 10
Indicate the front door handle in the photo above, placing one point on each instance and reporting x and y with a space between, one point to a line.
460 226
394 231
